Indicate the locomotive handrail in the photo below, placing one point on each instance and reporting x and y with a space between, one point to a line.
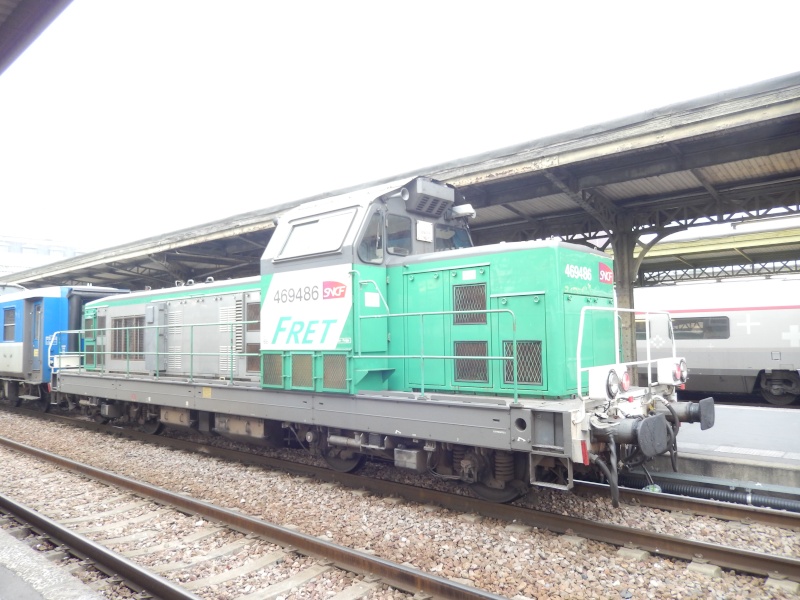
128 352
53 338
422 356
616 310
377 289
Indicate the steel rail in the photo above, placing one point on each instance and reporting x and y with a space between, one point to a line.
128 570
725 511
723 556
663 501
396 575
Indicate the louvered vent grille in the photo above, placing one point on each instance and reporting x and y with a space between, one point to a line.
227 361
471 369
529 362
428 205
302 370
174 358
334 375
233 314
469 297
175 320
272 369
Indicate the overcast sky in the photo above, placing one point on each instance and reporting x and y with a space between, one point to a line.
132 118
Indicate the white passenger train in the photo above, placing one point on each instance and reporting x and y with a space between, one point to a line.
739 336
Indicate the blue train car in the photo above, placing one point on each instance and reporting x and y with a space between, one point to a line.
30 318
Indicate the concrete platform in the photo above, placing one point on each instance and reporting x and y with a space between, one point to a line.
26 574
760 446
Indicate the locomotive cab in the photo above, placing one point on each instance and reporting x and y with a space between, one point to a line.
365 229
327 276
391 233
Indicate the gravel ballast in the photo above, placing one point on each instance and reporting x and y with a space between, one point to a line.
505 559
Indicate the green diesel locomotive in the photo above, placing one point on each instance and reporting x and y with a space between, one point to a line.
378 330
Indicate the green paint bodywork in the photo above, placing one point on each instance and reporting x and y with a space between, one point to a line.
404 334
530 292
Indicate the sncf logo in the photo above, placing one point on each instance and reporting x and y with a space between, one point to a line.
333 289
606 274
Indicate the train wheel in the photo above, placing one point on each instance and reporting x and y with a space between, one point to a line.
780 388
512 491
343 460
42 404
10 395
778 399
152 427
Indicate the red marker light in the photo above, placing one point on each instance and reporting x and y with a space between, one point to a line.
625 382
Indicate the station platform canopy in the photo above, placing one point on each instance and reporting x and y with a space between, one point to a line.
21 22
624 186
730 158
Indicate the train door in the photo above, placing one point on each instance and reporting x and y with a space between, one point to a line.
425 334
155 337
36 340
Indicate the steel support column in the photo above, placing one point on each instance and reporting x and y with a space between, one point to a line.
625 268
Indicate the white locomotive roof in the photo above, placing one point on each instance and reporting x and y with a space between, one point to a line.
505 247
360 197
196 287
732 294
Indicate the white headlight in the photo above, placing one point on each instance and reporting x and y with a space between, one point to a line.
612 384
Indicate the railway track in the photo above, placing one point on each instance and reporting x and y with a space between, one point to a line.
269 545
729 558
66 542
719 510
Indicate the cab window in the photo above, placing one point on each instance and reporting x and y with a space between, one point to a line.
370 249
398 235
319 235
450 238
